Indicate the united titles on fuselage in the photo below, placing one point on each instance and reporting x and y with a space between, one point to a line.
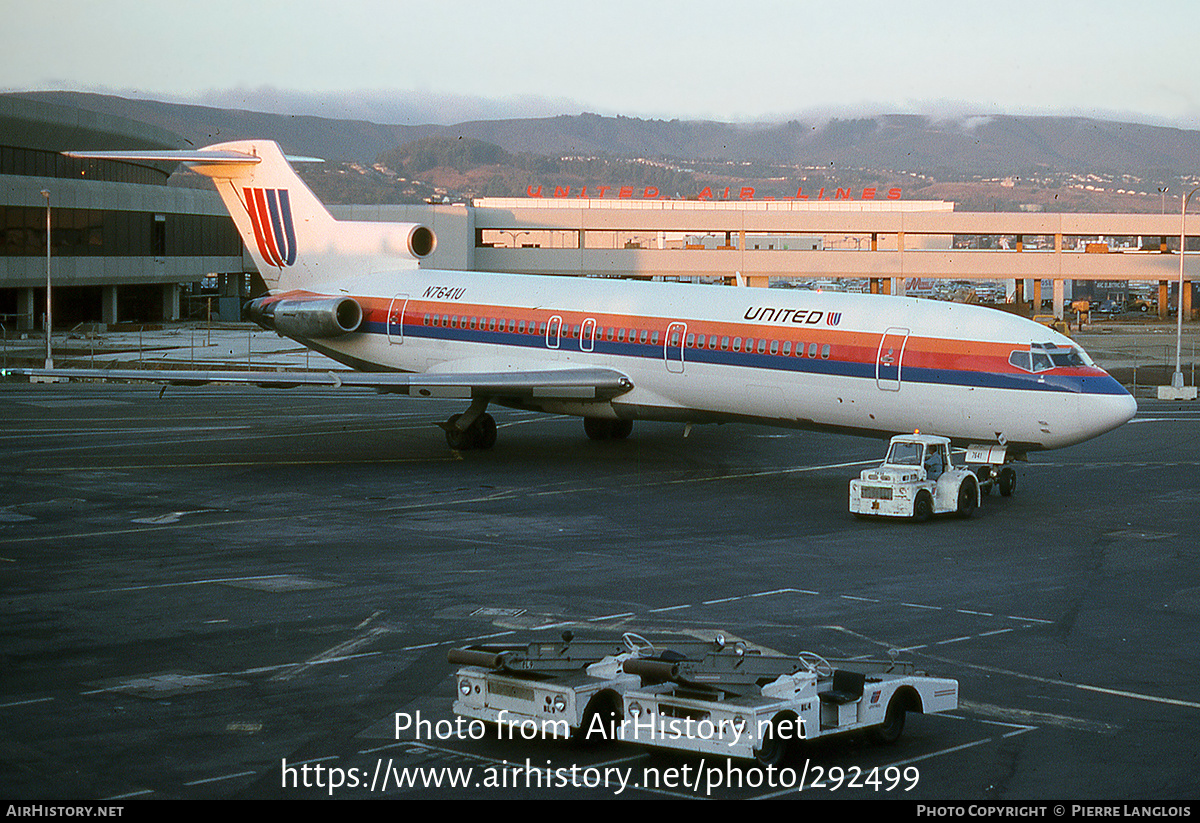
796 317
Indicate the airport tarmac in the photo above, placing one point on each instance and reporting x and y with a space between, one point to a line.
203 589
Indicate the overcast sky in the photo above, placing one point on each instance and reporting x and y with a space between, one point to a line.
453 60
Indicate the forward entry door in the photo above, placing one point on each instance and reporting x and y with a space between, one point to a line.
889 359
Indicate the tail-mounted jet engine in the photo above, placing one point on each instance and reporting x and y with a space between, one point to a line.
312 319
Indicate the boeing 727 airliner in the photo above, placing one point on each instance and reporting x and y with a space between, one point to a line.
616 351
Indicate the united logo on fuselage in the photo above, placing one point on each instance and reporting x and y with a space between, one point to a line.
271 216
796 317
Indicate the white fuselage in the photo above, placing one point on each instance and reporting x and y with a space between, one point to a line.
861 363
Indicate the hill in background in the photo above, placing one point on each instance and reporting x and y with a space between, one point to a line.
1000 162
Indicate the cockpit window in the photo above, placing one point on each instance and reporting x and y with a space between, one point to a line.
905 454
1067 357
1041 357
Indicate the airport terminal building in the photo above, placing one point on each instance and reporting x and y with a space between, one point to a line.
124 244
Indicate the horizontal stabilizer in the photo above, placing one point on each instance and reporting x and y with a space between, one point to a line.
208 157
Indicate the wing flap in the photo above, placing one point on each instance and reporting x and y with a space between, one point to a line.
566 384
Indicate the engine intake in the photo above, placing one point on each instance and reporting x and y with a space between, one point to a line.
316 318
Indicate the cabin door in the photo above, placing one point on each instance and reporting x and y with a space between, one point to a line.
673 347
395 318
889 358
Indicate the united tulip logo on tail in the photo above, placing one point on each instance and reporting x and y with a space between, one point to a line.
271 215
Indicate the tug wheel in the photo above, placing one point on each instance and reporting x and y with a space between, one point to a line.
922 507
1007 481
968 498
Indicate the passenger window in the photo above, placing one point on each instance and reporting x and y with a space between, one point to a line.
737 344
426 319
774 347
691 341
762 345
654 339
825 352
787 347
645 334
712 342
812 349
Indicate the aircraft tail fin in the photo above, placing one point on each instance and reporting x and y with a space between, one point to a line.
294 240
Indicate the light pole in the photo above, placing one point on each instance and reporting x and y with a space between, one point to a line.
514 235
49 323
1177 377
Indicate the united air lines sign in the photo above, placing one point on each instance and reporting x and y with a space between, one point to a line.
707 193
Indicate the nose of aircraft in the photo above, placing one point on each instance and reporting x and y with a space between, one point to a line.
1103 412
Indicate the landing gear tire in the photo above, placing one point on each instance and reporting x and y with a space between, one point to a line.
600 428
485 429
456 438
1007 481
597 428
479 435
968 498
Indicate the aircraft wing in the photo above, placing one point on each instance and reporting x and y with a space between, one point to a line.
554 384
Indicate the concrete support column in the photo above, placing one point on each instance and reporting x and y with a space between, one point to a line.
886 284
26 320
1164 296
170 301
1037 295
1018 291
874 281
1059 298
108 305
1185 301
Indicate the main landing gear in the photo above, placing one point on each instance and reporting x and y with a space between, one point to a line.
473 429
601 428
